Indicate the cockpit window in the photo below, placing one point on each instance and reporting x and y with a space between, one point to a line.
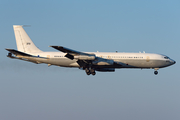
166 57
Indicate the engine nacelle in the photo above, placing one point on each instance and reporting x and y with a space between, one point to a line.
84 57
105 69
103 62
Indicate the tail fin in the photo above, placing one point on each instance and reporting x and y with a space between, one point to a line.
23 41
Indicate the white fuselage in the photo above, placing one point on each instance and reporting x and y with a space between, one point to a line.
125 60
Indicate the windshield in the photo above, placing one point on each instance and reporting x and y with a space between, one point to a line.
166 57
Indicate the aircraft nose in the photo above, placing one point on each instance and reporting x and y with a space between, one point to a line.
173 62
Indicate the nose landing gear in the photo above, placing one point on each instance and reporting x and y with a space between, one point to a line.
156 72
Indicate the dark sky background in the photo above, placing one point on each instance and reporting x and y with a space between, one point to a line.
38 92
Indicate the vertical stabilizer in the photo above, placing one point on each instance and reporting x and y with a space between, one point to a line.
23 41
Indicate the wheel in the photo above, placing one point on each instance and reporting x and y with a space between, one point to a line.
93 71
87 71
155 72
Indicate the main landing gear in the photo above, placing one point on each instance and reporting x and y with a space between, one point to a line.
90 71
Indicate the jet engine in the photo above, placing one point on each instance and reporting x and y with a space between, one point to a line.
103 62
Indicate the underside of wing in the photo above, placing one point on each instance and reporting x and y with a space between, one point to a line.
73 54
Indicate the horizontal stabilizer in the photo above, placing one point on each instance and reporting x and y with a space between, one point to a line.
15 52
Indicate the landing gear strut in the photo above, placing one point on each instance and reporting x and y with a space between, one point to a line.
93 71
90 71
87 71
156 72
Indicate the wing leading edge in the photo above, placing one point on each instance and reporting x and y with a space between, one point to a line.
70 51
73 54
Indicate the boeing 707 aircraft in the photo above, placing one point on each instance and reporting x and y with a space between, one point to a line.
88 61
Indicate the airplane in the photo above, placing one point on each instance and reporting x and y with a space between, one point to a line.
88 61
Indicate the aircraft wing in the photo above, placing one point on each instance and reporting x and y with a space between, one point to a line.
73 54
67 50
85 58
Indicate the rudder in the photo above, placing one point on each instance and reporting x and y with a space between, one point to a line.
23 41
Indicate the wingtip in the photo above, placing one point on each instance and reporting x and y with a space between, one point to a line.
7 49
